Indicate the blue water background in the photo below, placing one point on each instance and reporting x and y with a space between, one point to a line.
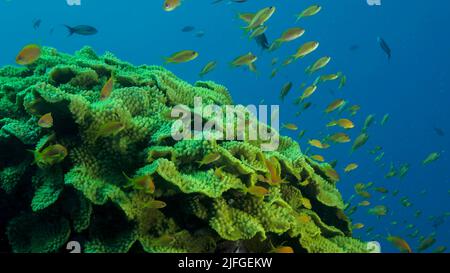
413 87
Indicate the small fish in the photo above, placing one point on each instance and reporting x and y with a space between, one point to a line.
345 123
426 243
343 81
274 61
290 126
289 35
261 41
318 158
110 128
306 202
364 194
170 5
246 17
439 131
282 249
318 144
360 141
28 55
392 171
301 134
381 190
258 31
400 243
208 68
36 23
303 218
107 88
340 138
46 121
209 158
182 56
364 203
384 119
309 11
258 191
375 150
273 73
306 49
246 59
199 34
440 249
285 90
369 120
379 210
260 18
334 105
331 174
358 226
156 204
51 155
318 64
328 77
81 30
308 91
187 29
354 109
430 158
384 46
353 47
144 182
403 170
350 167
306 105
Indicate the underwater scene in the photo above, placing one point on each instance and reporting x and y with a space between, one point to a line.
224 126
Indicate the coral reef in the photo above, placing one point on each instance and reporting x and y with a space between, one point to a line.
86 197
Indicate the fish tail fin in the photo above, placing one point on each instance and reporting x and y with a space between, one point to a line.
167 60
246 29
275 45
34 156
70 29
252 68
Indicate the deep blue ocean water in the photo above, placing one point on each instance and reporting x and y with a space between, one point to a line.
413 87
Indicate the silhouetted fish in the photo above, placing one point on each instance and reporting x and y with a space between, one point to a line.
37 23
187 29
439 131
81 30
262 41
353 47
384 46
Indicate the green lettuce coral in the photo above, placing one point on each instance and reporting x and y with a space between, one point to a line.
86 196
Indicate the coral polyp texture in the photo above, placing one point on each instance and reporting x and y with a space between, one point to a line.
83 195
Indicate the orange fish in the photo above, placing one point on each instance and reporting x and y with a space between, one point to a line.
156 204
28 55
283 249
334 105
331 174
340 138
170 5
318 158
46 121
400 243
107 88
258 191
